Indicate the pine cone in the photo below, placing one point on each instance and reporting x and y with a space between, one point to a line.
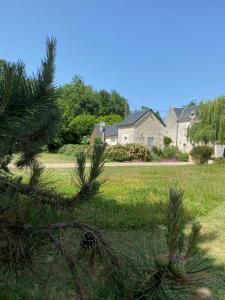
88 241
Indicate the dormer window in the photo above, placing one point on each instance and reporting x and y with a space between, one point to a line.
192 115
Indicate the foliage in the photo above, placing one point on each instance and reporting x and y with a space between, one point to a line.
32 213
219 160
79 127
73 150
191 103
156 150
201 154
210 126
85 140
167 141
54 144
27 100
181 270
109 119
127 152
180 156
170 152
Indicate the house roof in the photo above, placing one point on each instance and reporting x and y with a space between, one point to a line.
136 116
133 117
186 113
109 130
178 111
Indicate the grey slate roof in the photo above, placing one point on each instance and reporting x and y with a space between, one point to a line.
133 118
178 111
186 114
110 130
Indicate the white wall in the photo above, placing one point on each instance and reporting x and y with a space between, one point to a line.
112 140
219 150
171 125
182 141
126 135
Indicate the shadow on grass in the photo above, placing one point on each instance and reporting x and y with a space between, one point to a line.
140 224
131 227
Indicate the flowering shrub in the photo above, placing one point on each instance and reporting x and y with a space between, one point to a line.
127 152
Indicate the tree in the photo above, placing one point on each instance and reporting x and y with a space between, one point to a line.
210 125
191 103
78 98
80 126
32 213
112 103
109 119
144 107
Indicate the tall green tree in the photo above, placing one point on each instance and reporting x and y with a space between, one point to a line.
210 125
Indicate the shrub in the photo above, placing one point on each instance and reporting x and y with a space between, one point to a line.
201 154
85 140
54 144
182 156
117 153
156 151
72 150
170 152
167 141
128 152
98 140
155 157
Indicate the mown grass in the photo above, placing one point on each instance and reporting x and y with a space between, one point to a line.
132 206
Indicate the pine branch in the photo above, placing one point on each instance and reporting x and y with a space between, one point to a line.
175 222
193 240
82 294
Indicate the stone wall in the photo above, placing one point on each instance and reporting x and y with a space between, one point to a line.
171 125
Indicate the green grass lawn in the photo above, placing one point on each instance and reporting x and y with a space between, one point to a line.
131 207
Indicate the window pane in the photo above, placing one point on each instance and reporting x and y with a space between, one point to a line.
150 141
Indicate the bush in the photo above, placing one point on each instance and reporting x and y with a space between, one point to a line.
167 141
182 156
170 152
201 154
54 145
156 151
85 140
127 152
72 150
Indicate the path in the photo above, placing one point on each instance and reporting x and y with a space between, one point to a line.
120 164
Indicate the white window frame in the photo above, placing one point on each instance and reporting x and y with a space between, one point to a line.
153 141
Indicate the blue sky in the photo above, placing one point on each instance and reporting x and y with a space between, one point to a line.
155 53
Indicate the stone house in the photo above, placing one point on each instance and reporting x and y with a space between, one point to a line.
177 121
140 127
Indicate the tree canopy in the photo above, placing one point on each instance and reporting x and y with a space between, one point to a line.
78 98
210 125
